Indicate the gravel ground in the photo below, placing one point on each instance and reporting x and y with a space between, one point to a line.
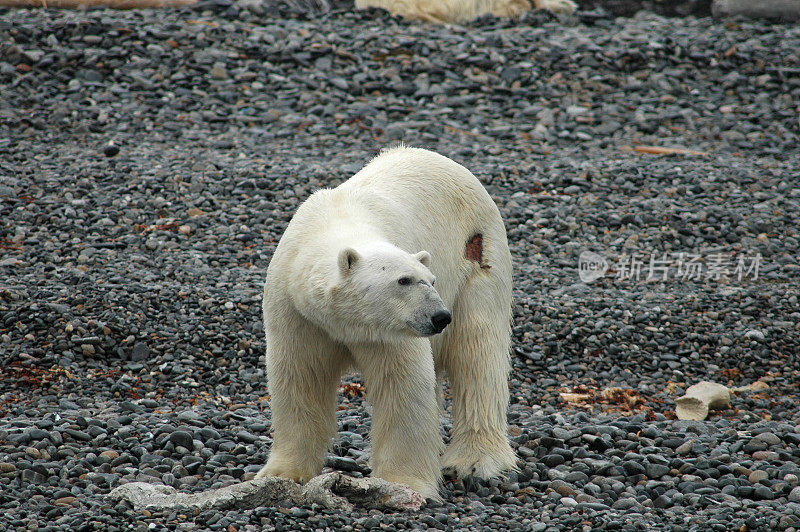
149 161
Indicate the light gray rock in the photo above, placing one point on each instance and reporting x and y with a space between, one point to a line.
700 398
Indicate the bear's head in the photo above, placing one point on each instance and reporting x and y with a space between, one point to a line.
389 291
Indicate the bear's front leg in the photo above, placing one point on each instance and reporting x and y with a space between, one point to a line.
303 372
405 438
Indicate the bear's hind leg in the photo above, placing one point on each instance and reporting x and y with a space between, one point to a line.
303 373
475 355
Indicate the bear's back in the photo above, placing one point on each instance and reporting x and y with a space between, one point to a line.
424 184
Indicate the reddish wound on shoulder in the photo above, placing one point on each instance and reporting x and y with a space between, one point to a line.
474 250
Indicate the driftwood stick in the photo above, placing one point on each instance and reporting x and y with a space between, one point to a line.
331 490
113 4
772 9
661 150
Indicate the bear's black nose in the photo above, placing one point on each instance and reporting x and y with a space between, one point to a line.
440 320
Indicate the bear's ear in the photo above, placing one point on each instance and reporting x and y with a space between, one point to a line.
348 257
424 257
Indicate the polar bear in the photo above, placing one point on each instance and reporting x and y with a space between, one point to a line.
402 272
461 11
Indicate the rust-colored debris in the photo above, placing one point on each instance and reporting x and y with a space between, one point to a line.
32 376
9 244
609 399
353 390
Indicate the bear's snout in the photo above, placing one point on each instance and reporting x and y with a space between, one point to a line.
440 320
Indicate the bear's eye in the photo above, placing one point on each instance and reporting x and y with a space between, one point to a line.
404 281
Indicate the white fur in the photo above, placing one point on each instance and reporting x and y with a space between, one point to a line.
460 11
332 300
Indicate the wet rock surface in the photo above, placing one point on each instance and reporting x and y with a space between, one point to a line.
149 162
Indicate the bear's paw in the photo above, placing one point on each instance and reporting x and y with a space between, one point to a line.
484 461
